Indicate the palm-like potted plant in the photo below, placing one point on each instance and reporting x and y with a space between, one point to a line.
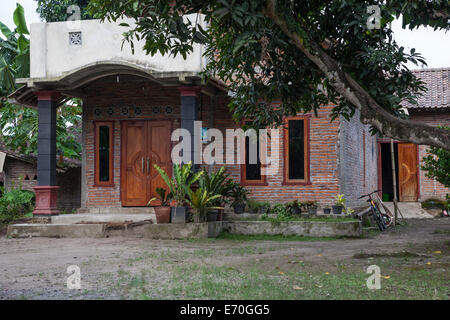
216 183
163 211
182 180
201 201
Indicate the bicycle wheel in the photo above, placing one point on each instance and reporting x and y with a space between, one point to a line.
378 219
387 220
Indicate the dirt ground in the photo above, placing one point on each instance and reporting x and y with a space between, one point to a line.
127 268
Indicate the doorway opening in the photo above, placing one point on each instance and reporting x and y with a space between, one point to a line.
387 181
406 171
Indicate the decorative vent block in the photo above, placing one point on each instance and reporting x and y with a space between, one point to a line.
75 38
169 110
97 112
137 111
110 111
156 110
125 111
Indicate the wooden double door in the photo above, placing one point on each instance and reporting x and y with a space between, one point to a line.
144 143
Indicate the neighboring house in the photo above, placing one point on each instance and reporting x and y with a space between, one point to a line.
20 170
433 108
132 104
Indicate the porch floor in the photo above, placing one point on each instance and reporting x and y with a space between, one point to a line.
409 210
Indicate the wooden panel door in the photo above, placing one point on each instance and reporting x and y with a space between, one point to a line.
407 172
158 152
133 170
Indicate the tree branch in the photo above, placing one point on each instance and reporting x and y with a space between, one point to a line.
347 87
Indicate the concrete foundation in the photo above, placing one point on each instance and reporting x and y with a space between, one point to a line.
143 226
295 228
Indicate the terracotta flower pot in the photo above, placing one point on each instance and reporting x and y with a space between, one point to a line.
162 214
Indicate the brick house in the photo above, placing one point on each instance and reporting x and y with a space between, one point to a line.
133 103
17 170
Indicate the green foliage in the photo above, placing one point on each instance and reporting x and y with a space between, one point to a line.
201 201
246 48
14 53
253 205
15 203
181 182
18 124
56 10
20 129
216 183
437 165
238 193
162 197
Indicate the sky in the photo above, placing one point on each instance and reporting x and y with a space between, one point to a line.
433 45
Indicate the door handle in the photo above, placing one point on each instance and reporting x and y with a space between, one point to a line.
148 164
143 168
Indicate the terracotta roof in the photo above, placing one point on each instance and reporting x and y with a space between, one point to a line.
438 84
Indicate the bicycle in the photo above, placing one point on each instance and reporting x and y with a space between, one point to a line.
383 221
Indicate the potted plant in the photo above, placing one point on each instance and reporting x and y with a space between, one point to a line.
264 207
163 211
327 210
239 195
294 207
339 204
200 200
182 180
311 207
217 183
253 205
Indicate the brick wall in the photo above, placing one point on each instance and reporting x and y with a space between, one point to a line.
22 173
358 160
213 111
429 188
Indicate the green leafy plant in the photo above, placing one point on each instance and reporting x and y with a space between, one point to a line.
183 178
15 203
265 206
437 164
340 200
304 54
238 193
253 205
294 207
310 204
216 183
201 201
162 197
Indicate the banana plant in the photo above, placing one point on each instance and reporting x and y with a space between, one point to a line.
14 52
182 180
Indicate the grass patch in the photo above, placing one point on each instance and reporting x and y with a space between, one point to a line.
241 237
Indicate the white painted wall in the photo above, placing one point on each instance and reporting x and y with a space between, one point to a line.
53 57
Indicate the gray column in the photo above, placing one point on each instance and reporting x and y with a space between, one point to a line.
46 166
189 106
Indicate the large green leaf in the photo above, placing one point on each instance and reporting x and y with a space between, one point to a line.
5 30
19 20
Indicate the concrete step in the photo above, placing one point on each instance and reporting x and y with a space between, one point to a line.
104 217
56 230
116 210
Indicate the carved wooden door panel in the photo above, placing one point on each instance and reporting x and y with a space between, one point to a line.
407 175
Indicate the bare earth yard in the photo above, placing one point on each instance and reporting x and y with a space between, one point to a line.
414 261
